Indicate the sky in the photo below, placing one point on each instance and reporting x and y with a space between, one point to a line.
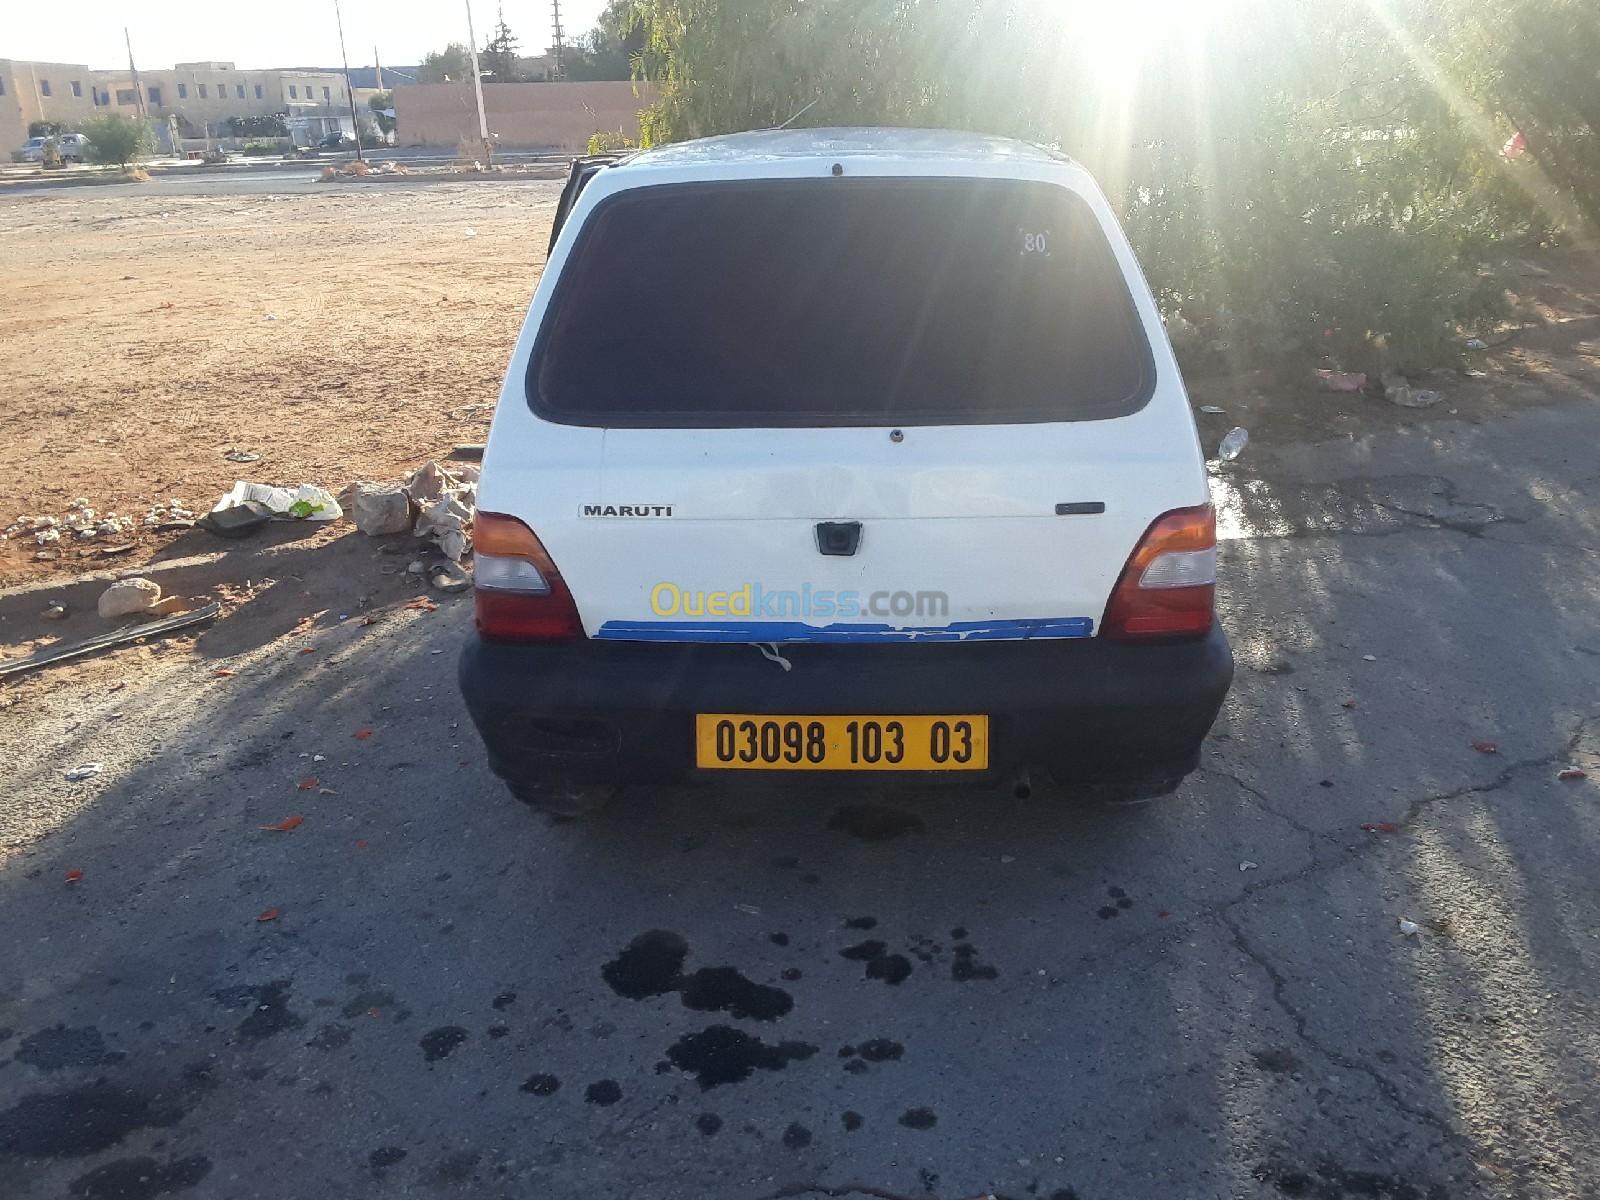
284 33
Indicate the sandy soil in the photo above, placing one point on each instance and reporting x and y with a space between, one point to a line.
355 334
346 335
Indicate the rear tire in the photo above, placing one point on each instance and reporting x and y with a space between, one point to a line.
562 800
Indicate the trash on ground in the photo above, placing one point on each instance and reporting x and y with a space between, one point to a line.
1409 928
305 785
1475 375
1233 443
270 914
1569 774
447 577
1397 390
242 456
1369 658
74 874
1380 827
1343 381
284 825
1247 865
473 451
128 596
378 508
1485 747
51 655
1476 343
308 502
416 567
1212 410
447 497
55 611
84 772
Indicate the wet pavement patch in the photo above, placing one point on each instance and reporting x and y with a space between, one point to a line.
1276 1060
441 1042
880 1050
919 1118
891 968
541 1085
874 822
778 939
708 1124
269 1008
504 1000
140 1178
81 1121
861 923
650 965
721 1055
1330 1181
604 1092
965 967
851 1120
57 1048
385 1156
723 989
797 1137
331 1037
454 1169
365 1002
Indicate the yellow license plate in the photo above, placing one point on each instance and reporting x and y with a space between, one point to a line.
752 742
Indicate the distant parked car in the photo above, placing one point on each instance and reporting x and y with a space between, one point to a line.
32 150
74 147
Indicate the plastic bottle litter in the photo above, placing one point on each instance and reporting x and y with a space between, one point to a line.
1233 443
84 772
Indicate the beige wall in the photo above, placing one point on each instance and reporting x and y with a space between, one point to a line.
558 116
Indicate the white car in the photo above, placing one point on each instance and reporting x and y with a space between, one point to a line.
74 147
857 451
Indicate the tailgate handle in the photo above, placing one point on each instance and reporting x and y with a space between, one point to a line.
841 538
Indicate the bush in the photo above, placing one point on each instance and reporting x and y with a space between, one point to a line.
45 129
267 125
371 141
118 140
610 143
257 149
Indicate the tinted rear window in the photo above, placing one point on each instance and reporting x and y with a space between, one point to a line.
840 301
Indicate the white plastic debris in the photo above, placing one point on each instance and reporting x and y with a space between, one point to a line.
1211 410
1409 928
1247 865
308 502
77 774
1233 443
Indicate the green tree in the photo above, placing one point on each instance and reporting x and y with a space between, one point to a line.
1302 181
450 65
498 59
45 129
119 140
380 105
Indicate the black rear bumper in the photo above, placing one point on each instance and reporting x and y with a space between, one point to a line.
1083 710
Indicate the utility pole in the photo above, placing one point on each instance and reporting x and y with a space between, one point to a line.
376 62
350 92
138 88
557 71
477 87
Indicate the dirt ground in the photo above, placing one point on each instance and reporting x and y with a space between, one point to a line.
345 335
354 334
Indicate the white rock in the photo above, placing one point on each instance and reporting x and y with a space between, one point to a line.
129 596
379 508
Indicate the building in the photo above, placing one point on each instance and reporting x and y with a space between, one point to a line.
199 97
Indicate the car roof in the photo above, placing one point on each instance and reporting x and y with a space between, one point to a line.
835 143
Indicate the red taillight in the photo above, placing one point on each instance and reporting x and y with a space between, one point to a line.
1169 586
520 595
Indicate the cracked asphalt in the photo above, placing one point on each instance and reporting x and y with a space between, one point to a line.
423 990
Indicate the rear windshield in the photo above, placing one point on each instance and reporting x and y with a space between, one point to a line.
840 302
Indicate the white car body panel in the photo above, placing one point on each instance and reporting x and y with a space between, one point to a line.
967 510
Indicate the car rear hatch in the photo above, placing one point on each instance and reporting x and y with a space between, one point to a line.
857 409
